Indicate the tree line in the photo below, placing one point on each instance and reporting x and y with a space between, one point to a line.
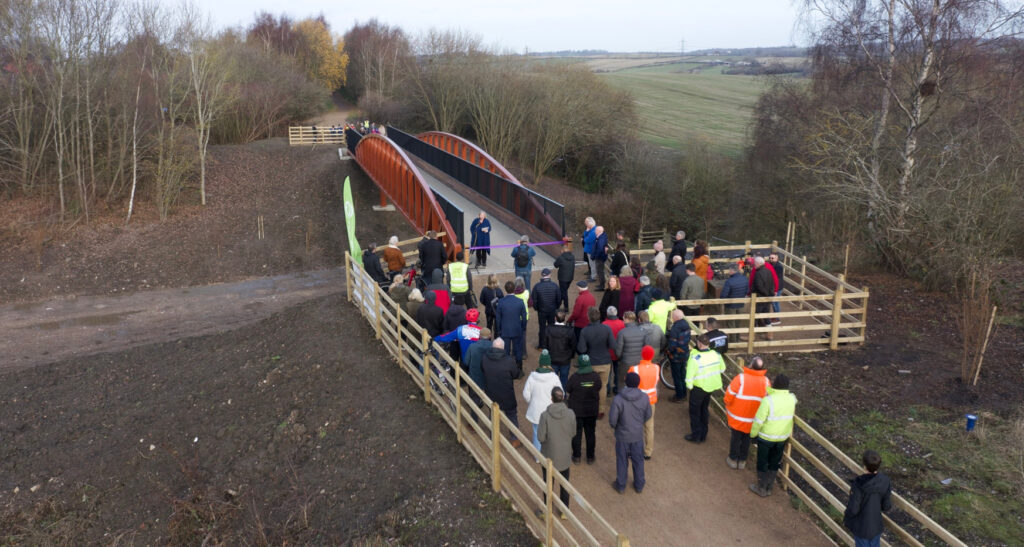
104 104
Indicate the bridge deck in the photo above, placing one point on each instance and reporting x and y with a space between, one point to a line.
500 260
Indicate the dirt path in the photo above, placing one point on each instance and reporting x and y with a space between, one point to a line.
53 330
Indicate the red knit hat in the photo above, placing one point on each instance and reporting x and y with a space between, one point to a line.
647 353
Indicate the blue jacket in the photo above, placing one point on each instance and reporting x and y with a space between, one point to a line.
466 334
479 237
529 265
735 287
679 341
546 296
510 317
588 240
600 248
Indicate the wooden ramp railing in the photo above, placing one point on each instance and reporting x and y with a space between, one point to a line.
820 485
831 310
316 135
479 425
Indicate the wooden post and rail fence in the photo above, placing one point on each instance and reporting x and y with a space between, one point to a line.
316 135
820 484
479 424
486 432
829 308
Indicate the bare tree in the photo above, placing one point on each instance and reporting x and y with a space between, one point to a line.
208 77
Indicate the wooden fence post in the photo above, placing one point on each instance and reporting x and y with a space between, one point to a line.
846 259
803 278
458 402
747 247
426 367
348 276
750 326
495 447
837 315
864 318
787 454
376 309
792 243
398 332
549 510
622 541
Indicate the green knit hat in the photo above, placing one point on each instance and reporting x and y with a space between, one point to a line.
544 362
584 364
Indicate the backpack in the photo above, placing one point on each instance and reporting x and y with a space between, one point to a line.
523 256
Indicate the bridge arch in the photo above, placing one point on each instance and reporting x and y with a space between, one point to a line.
458 146
398 178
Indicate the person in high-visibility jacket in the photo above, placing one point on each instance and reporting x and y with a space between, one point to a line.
772 427
649 374
742 399
703 377
460 281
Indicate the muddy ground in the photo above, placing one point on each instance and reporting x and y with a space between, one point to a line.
282 427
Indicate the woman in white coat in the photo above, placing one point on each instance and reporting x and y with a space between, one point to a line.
537 392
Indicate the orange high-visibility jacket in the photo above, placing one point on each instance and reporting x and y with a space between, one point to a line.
649 376
744 396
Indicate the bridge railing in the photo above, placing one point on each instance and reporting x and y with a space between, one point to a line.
456 216
479 424
544 213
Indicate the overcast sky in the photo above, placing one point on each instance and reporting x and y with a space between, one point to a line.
552 25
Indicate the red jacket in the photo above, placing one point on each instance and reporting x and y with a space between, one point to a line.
616 325
579 310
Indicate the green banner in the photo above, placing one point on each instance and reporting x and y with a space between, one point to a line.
350 224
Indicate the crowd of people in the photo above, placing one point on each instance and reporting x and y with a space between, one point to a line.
616 345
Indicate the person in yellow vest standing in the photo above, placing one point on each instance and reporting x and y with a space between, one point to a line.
742 400
649 375
772 427
703 377
461 282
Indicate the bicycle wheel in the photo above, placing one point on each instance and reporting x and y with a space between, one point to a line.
666 373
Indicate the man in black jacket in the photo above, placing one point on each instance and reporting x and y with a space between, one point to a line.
764 286
430 316
870 494
597 341
432 255
584 391
566 266
546 299
560 341
500 374
371 263
679 246
675 282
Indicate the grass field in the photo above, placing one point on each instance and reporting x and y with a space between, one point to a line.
676 106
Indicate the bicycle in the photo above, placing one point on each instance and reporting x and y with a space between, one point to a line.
666 372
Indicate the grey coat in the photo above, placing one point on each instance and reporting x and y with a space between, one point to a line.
629 343
630 409
693 288
555 432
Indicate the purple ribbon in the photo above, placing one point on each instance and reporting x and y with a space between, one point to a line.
516 245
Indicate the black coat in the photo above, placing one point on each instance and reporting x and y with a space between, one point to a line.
584 391
619 259
432 255
371 263
610 298
597 341
764 282
486 296
454 318
675 282
678 248
869 496
561 343
566 266
643 299
431 317
500 374
546 296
